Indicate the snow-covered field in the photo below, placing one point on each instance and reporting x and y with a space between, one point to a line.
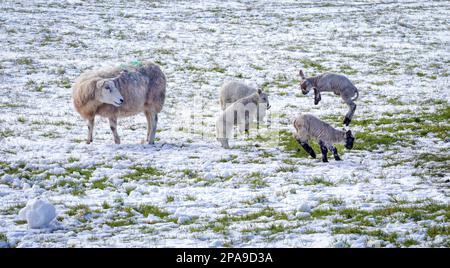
391 190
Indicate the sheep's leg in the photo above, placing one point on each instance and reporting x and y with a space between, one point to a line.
90 130
349 115
153 134
224 142
307 148
113 126
317 96
324 150
151 126
247 123
335 153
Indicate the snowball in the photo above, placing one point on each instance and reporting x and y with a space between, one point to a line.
38 213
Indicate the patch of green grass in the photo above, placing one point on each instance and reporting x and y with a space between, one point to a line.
371 141
191 198
3 237
151 209
286 169
86 173
346 69
73 159
307 64
143 173
120 223
170 199
24 61
20 222
217 69
382 83
100 184
410 242
320 213
105 205
13 209
438 230
266 155
318 180
79 211
5 133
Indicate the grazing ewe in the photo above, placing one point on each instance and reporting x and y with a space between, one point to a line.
308 126
336 83
241 112
232 91
121 92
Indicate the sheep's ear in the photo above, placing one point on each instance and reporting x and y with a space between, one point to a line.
259 91
123 73
302 75
349 133
100 83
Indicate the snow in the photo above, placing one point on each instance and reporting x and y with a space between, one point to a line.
205 196
38 213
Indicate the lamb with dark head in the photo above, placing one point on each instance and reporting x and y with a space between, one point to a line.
330 82
308 126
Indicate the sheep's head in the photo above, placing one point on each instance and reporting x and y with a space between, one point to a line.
349 140
305 85
263 98
109 93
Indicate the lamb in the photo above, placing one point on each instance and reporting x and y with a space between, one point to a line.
336 83
242 112
121 92
232 91
308 126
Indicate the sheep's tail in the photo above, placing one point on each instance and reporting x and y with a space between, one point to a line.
357 95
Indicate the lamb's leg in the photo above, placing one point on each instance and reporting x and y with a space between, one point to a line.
151 126
307 148
90 130
335 153
317 96
324 150
113 126
349 115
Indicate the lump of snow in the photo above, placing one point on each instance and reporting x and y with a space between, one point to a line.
183 219
305 207
152 219
38 213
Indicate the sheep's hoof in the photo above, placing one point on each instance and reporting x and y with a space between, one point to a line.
325 160
337 159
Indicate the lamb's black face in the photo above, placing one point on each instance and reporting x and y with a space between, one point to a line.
349 140
305 87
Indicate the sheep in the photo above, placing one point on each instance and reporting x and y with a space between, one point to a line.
242 112
232 91
336 83
308 126
121 92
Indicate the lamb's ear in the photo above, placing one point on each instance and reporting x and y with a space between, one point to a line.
302 75
259 91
